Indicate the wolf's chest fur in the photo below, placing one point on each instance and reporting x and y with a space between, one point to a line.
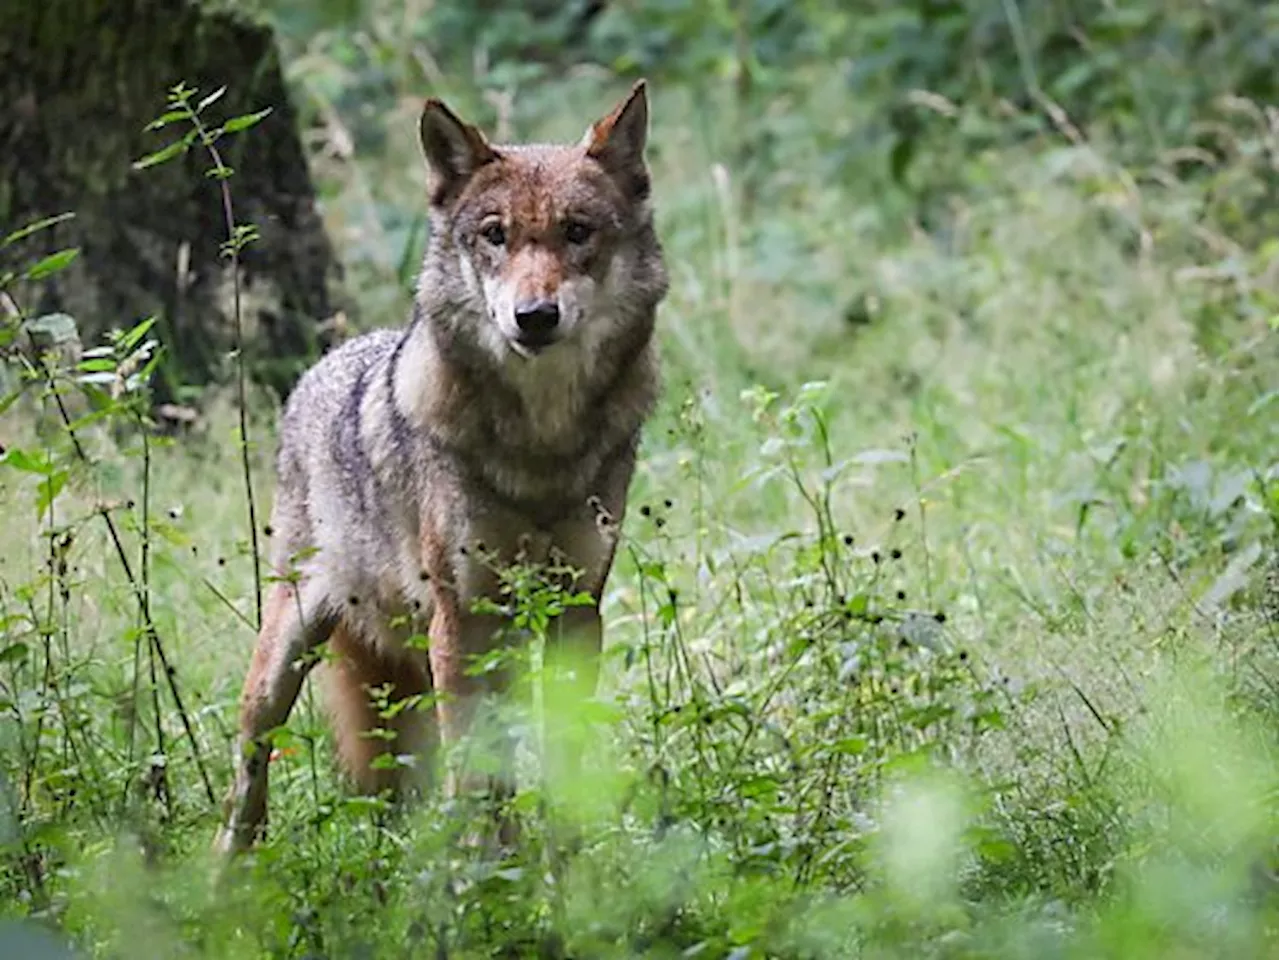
394 434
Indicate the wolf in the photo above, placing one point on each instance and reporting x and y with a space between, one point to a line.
500 426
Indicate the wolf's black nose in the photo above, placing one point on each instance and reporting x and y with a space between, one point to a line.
537 318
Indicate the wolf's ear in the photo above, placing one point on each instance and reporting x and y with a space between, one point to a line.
453 150
617 142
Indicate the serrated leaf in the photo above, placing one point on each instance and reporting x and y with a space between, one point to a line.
51 264
244 121
35 227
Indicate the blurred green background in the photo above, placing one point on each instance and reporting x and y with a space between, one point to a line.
945 619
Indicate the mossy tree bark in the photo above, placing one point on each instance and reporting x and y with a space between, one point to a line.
79 83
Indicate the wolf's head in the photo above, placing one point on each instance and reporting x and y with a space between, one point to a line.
538 246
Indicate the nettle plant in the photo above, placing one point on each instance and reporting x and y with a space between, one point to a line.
780 683
75 752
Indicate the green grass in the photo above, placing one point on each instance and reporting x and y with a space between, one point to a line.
948 630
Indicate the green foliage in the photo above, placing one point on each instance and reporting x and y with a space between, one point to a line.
943 623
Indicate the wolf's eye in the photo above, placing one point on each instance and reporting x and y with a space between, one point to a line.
494 234
577 232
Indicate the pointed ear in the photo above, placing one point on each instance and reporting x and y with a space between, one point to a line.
453 150
617 142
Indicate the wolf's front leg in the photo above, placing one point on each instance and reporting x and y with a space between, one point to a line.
469 699
295 622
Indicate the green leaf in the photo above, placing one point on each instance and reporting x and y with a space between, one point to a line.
51 264
8 400
166 118
164 154
27 461
96 364
49 490
128 340
851 746
89 418
35 228
244 121
900 157
180 92
144 375
14 653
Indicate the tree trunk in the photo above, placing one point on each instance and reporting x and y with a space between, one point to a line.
80 81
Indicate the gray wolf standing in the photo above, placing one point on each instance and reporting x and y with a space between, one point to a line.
501 423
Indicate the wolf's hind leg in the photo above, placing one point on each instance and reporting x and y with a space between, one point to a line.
295 621
362 733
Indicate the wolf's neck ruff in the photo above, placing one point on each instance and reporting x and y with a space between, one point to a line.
537 432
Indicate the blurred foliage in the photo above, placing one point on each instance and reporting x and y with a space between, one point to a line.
1156 82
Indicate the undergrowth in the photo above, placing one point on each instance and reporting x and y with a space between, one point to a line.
943 623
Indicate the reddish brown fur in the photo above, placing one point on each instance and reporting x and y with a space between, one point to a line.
358 669
534 193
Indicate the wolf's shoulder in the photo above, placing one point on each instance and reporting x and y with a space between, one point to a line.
336 373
